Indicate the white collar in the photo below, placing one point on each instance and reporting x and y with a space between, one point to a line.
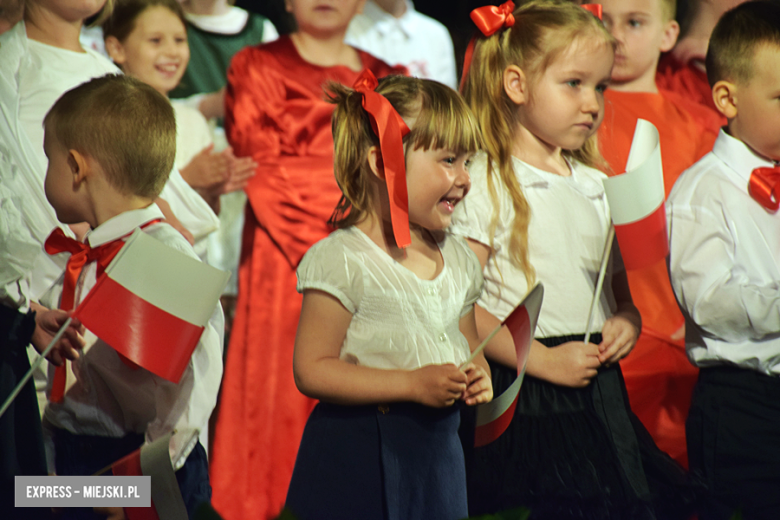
383 21
738 157
231 22
122 224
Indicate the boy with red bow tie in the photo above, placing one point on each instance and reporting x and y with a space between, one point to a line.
725 270
111 145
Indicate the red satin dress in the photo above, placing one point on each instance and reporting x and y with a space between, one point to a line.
275 113
659 378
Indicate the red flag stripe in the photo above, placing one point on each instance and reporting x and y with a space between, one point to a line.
644 242
135 328
130 466
488 433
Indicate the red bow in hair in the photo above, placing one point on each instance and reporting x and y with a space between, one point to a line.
491 18
764 187
593 8
390 129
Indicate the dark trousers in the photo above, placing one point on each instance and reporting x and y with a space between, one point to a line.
733 431
21 440
88 454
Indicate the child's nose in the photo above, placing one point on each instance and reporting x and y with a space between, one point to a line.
462 179
590 103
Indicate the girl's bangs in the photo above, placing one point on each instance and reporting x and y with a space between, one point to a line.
445 122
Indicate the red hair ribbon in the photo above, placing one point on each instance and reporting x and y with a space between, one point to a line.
488 19
593 8
764 187
390 129
491 18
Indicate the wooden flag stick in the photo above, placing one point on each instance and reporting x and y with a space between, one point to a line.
600 282
34 367
481 346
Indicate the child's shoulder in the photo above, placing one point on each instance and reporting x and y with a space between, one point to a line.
341 246
169 236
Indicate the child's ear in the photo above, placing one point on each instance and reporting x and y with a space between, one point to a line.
671 32
515 84
724 94
375 162
115 50
79 167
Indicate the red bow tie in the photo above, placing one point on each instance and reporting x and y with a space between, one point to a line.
80 255
764 187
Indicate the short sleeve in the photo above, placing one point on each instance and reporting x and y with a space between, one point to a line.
329 267
473 216
474 271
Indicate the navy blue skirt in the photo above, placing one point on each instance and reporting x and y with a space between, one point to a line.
577 453
397 462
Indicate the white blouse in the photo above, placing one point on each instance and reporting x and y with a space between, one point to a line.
570 219
399 320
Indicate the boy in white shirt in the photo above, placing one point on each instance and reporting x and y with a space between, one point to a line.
111 145
725 271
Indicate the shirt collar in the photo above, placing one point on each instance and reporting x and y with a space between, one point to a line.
122 224
383 21
738 156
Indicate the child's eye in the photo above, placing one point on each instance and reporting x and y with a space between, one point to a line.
601 88
181 40
573 83
155 40
635 23
450 160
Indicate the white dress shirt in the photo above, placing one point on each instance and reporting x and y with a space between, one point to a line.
420 43
725 261
111 399
570 219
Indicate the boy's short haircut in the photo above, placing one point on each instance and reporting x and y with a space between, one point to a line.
125 125
737 35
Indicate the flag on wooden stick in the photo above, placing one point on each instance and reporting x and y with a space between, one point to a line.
636 200
494 417
152 304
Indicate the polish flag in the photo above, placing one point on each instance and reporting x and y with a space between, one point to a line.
493 418
151 305
636 200
154 460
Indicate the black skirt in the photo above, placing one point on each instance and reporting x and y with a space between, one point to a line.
399 462
577 453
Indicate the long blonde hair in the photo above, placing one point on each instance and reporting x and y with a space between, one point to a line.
443 120
543 29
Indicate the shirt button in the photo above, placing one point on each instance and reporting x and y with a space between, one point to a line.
431 291
442 337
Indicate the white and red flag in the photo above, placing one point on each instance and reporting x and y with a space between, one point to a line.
152 304
154 460
636 200
494 417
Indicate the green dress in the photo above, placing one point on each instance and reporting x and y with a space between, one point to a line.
210 55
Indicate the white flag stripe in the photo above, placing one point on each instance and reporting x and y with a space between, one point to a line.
168 279
494 409
640 191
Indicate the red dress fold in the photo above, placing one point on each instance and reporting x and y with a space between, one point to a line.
275 113
659 377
